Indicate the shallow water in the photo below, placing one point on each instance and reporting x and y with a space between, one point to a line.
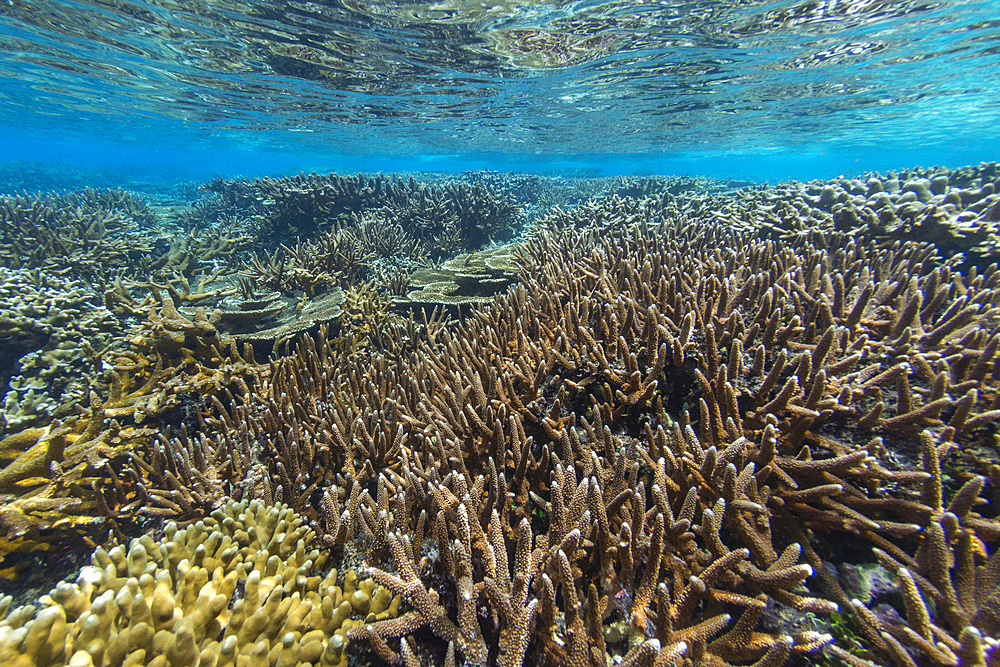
635 377
737 88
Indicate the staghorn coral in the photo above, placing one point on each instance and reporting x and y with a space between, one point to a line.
458 216
243 586
615 212
230 203
646 452
444 216
133 206
303 205
382 235
719 399
638 187
949 611
60 479
368 246
201 248
70 234
538 194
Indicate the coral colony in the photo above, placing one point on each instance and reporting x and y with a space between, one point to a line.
503 420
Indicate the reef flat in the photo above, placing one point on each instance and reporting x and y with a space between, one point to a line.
502 419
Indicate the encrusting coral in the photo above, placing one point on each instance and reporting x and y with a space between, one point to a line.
244 586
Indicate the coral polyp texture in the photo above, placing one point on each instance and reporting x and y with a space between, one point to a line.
703 427
244 586
51 328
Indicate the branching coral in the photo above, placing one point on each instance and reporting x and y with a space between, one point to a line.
198 249
51 329
442 216
57 233
645 452
956 210
354 252
667 417
57 482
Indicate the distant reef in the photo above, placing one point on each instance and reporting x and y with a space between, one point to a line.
502 419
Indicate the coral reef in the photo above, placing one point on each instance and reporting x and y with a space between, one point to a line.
464 279
445 216
458 216
59 486
51 329
226 201
200 249
644 441
956 210
538 194
242 586
130 205
297 317
657 426
360 250
57 233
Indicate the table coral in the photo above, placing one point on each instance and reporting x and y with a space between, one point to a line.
462 280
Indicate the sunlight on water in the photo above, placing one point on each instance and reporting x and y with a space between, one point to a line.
516 78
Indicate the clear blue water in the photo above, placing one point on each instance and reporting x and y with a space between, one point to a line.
742 88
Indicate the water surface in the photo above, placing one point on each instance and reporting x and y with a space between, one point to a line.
891 81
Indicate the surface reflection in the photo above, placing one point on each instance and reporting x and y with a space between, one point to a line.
599 65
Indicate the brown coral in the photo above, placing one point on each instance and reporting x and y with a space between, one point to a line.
648 413
645 451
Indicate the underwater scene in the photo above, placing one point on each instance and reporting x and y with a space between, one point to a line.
555 333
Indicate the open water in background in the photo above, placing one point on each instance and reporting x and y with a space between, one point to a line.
759 89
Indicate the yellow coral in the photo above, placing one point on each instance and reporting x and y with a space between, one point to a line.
172 602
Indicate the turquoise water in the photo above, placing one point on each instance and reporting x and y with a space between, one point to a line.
737 88
480 388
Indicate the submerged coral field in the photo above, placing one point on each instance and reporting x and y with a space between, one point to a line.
502 419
